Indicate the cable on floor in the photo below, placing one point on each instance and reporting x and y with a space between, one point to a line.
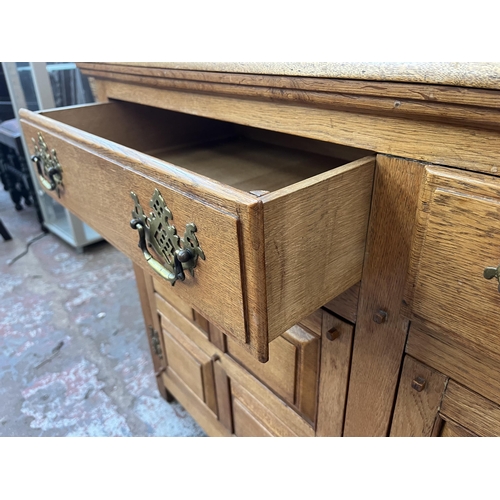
28 244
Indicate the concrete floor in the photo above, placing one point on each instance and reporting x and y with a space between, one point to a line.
74 359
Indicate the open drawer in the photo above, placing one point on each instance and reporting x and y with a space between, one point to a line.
265 232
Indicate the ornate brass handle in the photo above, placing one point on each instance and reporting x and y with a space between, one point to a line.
492 272
156 232
47 165
180 256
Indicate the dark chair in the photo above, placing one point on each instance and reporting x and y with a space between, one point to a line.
14 172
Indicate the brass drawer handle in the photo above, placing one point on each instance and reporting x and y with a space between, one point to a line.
156 232
492 272
48 166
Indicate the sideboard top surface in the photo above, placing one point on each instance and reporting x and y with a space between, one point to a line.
465 74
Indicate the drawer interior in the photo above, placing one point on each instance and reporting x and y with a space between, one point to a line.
245 158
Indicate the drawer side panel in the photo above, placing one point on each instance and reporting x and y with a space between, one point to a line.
315 241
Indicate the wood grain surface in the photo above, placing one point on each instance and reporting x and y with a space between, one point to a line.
465 137
168 293
307 369
223 393
379 347
267 403
247 424
475 413
416 410
333 376
452 429
346 304
182 78
251 233
447 353
148 306
456 237
197 409
471 74
278 373
315 241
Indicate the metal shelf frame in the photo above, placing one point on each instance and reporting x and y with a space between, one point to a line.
57 219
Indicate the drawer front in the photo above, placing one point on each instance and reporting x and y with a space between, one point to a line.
257 271
457 236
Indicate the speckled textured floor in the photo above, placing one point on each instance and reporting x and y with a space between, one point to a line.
74 359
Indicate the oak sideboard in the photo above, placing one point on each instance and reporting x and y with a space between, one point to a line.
316 246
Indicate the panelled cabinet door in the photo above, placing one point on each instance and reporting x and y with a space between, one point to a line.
456 247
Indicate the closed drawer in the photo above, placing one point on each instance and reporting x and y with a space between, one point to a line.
456 238
281 230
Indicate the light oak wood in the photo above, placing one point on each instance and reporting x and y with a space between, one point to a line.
419 396
273 165
376 97
187 327
249 165
278 373
346 304
292 369
456 237
333 376
185 366
168 293
190 364
333 257
236 373
201 321
378 347
217 337
466 74
240 234
307 370
452 429
246 424
98 88
223 393
475 413
111 213
449 355
313 322
271 405
148 306
443 143
196 408
253 418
